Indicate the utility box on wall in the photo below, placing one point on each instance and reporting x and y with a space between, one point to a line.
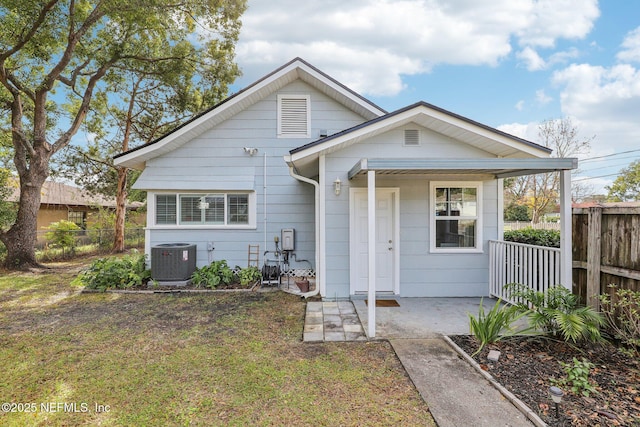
288 239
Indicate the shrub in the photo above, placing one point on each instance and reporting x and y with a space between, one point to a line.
515 212
557 313
213 275
577 376
494 325
531 236
622 313
249 275
113 272
62 234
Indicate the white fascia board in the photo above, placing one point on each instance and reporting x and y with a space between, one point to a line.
269 84
189 131
397 120
308 73
487 133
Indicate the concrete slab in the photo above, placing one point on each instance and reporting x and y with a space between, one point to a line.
457 395
423 317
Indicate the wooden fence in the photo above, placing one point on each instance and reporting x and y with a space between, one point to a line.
606 250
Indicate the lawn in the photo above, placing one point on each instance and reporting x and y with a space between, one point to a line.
72 358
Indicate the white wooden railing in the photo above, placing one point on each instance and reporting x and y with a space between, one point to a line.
537 267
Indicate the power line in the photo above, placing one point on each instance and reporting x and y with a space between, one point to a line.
608 155
594 177
617 165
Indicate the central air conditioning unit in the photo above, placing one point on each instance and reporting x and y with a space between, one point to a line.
173 262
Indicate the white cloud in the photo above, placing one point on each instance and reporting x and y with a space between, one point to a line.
604 98
370 45
520 105
542 98
550 20
631 47
531 59
528 131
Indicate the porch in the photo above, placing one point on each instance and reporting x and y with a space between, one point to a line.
536 267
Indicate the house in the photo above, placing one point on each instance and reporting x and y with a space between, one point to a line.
61 201
402 203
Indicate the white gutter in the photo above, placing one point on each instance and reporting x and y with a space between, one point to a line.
316 186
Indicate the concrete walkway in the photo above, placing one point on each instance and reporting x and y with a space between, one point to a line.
457 394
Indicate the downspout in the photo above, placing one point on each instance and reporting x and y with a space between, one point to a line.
316 186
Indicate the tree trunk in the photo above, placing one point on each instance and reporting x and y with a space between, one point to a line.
20 239
121 210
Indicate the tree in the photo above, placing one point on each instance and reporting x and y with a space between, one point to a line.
626 186
540 192
54 57
139 105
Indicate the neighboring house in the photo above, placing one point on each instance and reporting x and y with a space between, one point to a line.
299 150
65 202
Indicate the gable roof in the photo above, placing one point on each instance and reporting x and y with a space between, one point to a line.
293 70
455 126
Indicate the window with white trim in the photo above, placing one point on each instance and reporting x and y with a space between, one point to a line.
456 223
294 118
220 209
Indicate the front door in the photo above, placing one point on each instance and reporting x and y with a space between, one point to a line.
386 244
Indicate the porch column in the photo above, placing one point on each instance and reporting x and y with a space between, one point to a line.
371 251
566 261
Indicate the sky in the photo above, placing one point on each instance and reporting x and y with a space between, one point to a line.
509 64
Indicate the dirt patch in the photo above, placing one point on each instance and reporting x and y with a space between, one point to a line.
527 366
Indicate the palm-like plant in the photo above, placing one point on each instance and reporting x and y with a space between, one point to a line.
557 313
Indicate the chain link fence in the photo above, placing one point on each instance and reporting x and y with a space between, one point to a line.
85 242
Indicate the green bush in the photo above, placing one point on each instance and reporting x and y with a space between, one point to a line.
494 325
577 377
249 275
515 212
63 234
557 313
115 273
212 275
622 313
531 236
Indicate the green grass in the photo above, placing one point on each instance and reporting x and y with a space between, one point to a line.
205 359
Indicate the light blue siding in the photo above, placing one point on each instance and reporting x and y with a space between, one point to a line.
216 161
422 274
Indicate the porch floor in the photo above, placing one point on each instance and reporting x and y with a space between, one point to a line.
415 318
423 317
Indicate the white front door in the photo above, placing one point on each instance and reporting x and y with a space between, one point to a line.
386 244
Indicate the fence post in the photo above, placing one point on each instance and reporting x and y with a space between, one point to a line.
594 255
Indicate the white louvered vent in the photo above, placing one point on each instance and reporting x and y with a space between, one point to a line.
411 137
293 116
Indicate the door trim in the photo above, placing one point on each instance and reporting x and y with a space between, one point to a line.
395 276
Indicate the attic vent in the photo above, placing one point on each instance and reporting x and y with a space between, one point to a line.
411 137
293 116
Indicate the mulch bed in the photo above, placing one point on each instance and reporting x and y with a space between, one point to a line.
527 366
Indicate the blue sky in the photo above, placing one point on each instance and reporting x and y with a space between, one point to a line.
510 64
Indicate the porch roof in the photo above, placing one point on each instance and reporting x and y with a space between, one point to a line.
498 167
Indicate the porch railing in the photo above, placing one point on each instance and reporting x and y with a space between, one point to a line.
536 267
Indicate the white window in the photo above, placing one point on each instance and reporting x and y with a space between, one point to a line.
294 118
456 221
212 209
